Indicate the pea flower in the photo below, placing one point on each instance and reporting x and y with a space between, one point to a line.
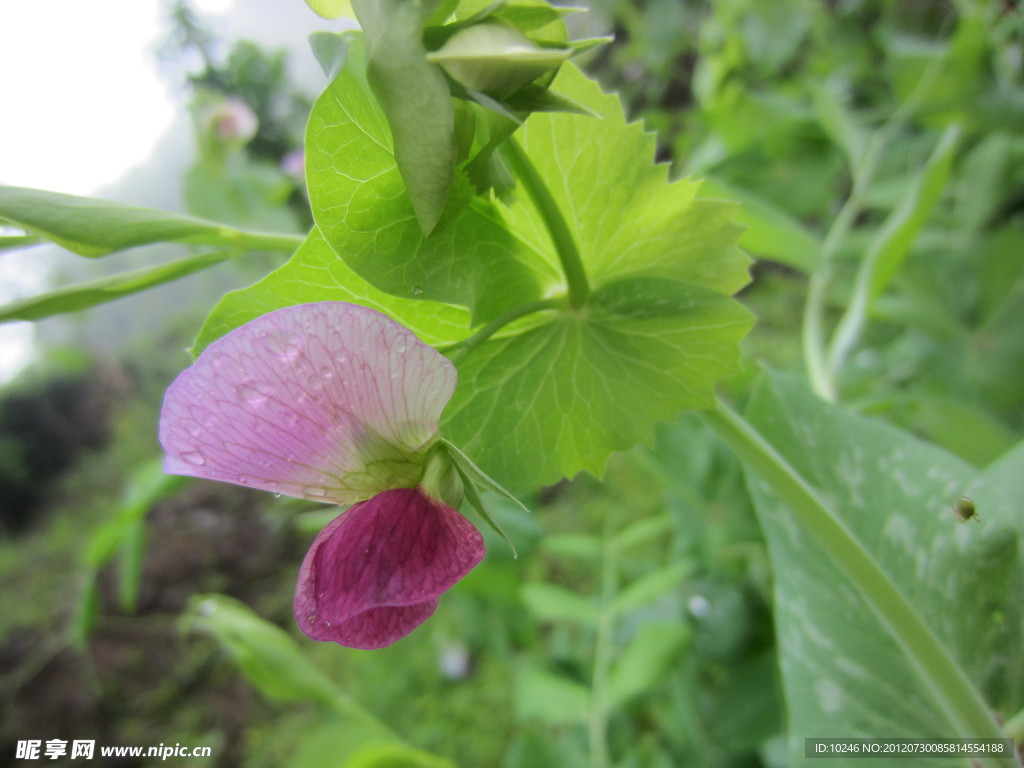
335 402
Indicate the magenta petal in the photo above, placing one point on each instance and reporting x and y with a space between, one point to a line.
327 401
375 573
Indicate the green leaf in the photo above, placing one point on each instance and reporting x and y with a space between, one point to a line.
414 95
362 207
330 50
577 545
395 756
331 9
644 531
626 217
316 273
770 232
561 398
839 124
146 486
265 653
91 227
843 673
651 586
541 695
133 553
549 602
892 244
557 397
646 661
75 298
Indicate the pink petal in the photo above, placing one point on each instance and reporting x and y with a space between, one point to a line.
375 573
329 401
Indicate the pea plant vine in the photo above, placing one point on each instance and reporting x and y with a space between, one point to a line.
501 290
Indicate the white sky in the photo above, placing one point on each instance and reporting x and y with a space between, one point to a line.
81 102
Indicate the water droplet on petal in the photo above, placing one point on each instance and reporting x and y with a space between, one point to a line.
316 381
286 346
316 492
194 457
250 392
400 347
193 429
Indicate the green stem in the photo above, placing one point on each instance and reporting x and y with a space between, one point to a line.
561 235
953 692
1014 727
460 349
822 381
821 375
597 726
256 241
14 242
891 246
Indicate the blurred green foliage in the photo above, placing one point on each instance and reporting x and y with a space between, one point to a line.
635 628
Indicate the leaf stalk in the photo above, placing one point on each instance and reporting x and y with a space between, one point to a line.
558 228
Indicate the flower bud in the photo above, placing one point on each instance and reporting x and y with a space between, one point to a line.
495 59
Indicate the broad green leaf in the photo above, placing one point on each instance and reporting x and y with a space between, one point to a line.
541 695
316 273
362 207
75 298
558 398
268 657
770 232
91 227
414 95
549 602
627 218
648 657
561 398
843 674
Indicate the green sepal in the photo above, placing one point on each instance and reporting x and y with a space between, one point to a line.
536 98
472 476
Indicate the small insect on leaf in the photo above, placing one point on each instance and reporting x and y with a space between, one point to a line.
964 510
